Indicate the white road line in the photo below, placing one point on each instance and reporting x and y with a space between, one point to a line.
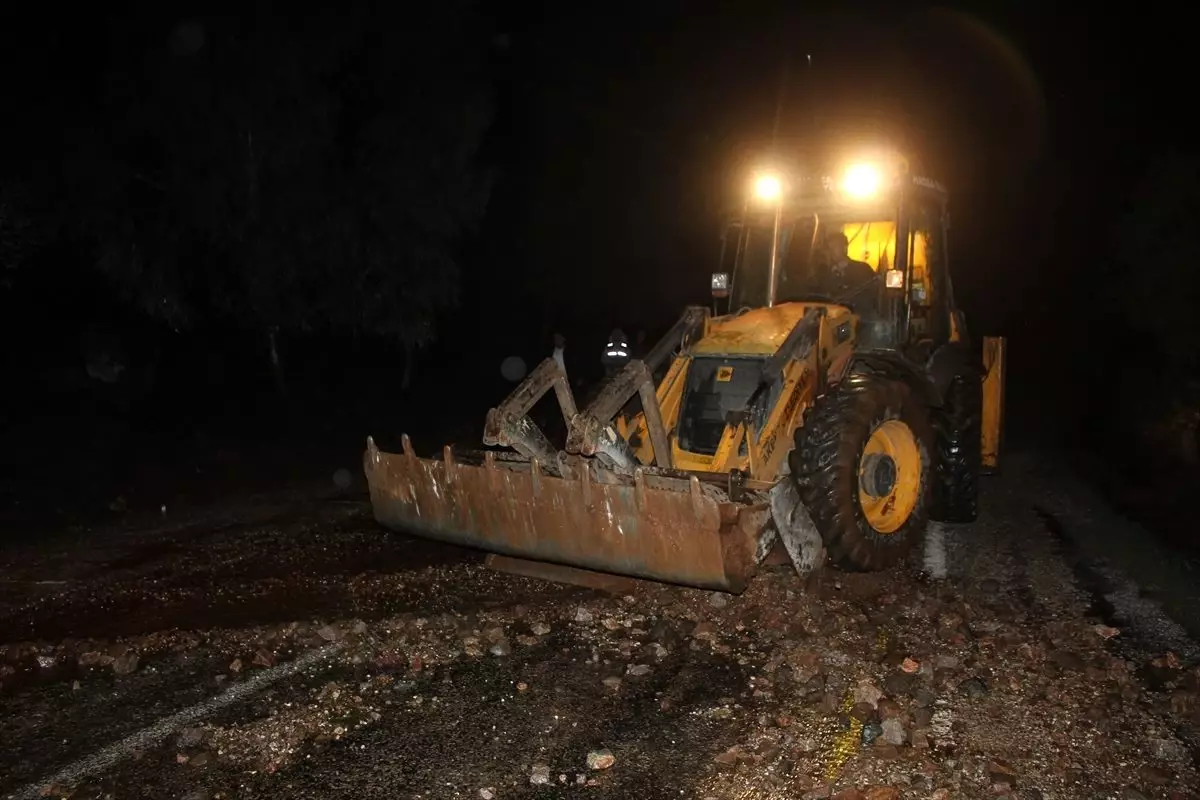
156 733
935 551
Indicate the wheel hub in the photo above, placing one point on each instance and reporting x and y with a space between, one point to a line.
879 474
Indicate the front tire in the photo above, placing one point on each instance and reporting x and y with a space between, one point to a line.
863 465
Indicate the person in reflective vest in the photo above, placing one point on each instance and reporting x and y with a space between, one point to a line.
617 352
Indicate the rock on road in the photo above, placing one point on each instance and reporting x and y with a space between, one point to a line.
298 650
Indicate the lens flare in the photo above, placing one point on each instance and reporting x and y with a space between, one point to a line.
768 187
861 181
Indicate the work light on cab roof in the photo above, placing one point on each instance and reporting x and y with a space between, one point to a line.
862 181
768 186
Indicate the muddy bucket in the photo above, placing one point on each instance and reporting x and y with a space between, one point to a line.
664 529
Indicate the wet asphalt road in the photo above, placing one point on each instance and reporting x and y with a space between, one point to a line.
295 649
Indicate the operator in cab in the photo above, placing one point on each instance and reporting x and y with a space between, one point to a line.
846 279
821 267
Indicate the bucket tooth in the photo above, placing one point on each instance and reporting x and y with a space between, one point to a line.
697 496
585 485
489 467
535 475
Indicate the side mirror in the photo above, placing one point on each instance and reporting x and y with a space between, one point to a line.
720 284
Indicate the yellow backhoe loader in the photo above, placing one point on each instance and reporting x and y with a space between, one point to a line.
834 419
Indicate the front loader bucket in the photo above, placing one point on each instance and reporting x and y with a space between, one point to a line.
648 526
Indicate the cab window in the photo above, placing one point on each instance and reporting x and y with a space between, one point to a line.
928 321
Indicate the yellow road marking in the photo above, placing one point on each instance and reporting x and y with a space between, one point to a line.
847 743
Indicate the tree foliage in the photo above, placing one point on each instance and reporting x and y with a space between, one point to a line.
1157 282
288 178
18 233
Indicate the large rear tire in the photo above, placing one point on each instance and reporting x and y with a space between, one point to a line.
960 452
863 465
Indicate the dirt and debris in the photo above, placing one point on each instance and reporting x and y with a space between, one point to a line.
600 759
334 711
454 681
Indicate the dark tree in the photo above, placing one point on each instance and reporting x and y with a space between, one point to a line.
287 180
1155 288
1157 283
18 233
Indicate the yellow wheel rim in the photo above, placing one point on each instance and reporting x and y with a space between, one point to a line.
889 476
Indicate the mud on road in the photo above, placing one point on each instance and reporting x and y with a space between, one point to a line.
299 650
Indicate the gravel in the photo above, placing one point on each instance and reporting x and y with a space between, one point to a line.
998 679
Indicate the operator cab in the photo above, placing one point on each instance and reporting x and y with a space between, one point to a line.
895 225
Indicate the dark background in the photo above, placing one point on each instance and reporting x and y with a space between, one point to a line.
616 135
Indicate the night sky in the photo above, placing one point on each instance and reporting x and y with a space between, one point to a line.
621 130
629 131
626 136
